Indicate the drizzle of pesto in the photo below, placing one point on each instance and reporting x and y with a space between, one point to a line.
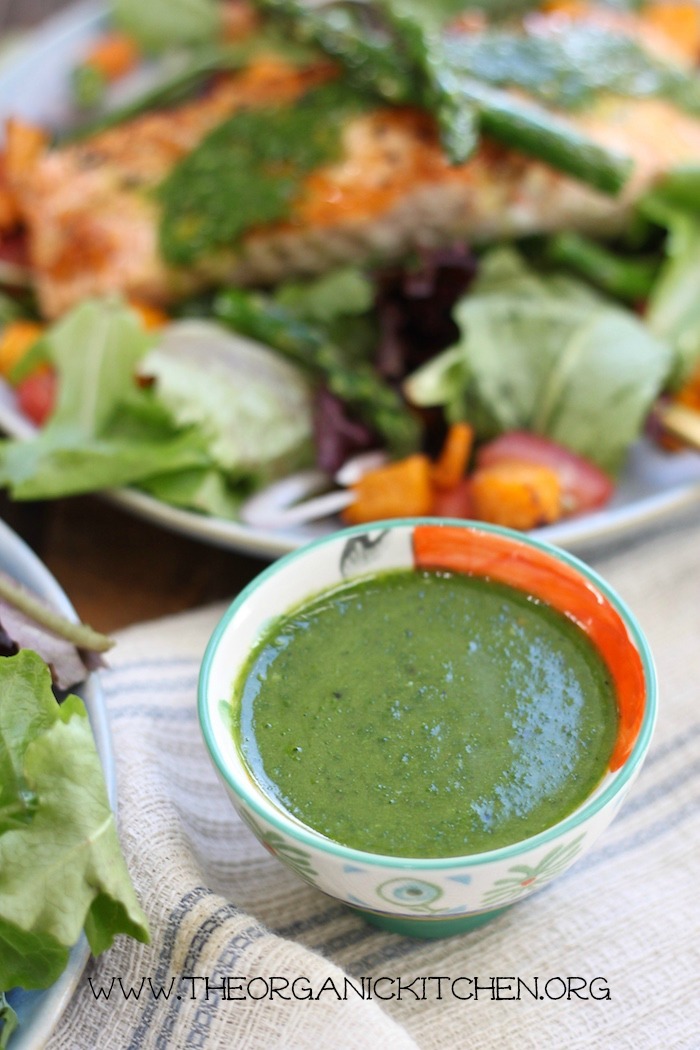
249 170
568 69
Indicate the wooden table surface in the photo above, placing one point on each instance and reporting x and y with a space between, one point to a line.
117 569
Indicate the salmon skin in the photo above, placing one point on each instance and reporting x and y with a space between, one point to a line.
92 218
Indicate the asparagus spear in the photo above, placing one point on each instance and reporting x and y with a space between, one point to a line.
378 404
384 50
625 278
680 188
80 634
357 38
401 59
457 117
535 131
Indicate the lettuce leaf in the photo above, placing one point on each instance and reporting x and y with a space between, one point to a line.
160 24
95 348
59 462
546 354
218 414
673 307
341 293
61 866
203 489
8 1021
104 430
252 407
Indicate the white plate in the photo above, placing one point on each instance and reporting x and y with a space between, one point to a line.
34 85
39 1011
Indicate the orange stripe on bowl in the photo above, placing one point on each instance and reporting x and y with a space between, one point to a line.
459 549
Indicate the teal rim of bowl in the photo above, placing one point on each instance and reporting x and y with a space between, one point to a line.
290 826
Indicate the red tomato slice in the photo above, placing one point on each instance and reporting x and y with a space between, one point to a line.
455 502
36 395
584 485
14 250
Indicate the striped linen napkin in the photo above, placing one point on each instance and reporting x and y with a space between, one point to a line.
246 956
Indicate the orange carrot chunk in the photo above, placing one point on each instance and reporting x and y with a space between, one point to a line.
517 495
113 55
24 144
678 22
16 339
151 317
10 211
398 490
687 395
451 465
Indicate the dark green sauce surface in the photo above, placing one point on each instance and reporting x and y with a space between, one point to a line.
425 714
249 170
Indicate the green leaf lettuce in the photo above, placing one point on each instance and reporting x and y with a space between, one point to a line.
546 354
61 867
673 307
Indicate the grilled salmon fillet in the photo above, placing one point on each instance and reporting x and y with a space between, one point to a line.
92 219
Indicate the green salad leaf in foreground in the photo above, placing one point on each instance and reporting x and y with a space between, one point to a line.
61 866
546 354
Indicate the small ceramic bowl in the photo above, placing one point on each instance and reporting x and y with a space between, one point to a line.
443 896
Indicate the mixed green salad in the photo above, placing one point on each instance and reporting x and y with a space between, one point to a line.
62 872
565 337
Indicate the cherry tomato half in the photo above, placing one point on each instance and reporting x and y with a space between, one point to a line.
455 502
584 485
36 395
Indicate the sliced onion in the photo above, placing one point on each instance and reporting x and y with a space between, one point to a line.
353 469
284 504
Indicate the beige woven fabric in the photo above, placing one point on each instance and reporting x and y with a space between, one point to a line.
221 907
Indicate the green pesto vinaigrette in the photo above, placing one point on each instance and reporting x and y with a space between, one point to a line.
424 714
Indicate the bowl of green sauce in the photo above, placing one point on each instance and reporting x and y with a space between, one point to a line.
427 720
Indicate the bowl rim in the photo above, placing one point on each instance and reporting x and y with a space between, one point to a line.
294 828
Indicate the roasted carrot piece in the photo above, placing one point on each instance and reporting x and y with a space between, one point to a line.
687 395
151 316
10 212
398 490
113 55
678 22
24 144
499 558
452 462
16 339
575 8
517 495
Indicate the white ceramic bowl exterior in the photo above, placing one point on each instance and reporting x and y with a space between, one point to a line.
422 897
